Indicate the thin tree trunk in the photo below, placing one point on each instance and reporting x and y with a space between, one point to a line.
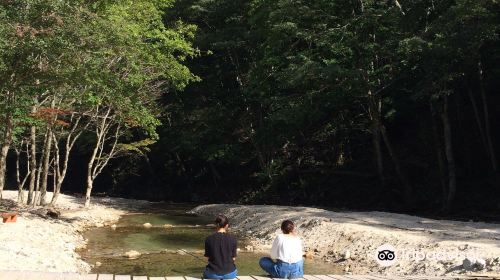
452 175
491 148
439 153
482 134
33 163
374 110
20 193
36 198
45 167
407 188
4 150
90 167
88 192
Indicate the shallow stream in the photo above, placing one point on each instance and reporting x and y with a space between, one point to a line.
173 246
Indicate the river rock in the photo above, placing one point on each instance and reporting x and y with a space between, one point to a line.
98 264
113 227
480 264
147 225
468 263
168 226
132 254
347 255
249 248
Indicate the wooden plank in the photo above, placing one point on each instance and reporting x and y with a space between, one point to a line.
339 277
5 274
260 277
191 278
105 277
324 277
142 278
310 277
88 277
372 277
156 278
174 278
335 277
123 277
356 277
40 275
245 278
385 277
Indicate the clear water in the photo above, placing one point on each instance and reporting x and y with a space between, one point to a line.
167 251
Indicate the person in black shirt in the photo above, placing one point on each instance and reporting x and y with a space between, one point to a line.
220 249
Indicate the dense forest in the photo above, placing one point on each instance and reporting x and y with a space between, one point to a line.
363 104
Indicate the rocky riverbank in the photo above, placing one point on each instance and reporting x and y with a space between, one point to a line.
39 243
352 239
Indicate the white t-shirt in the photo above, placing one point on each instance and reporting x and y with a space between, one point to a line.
287 248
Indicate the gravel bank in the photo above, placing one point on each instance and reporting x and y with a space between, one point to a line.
423 246
44 244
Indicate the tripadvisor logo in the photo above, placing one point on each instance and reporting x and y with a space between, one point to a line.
385 255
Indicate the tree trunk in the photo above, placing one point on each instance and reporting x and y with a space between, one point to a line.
20 193
375 106
376 137
33 163
439 153
90 185
491 148
45 167
90 167
482 134
452 175
4 150
407 188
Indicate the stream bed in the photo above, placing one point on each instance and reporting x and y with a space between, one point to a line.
173 246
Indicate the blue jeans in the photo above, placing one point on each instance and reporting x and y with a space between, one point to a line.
281 269
208 274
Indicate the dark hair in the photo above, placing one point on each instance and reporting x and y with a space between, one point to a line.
287 226
221 221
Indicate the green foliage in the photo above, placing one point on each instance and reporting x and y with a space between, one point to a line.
283 105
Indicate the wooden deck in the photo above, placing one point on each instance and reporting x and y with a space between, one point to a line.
31 275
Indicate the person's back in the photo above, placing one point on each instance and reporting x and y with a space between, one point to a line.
220 249
287 247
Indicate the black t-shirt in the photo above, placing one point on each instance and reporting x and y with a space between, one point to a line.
220 248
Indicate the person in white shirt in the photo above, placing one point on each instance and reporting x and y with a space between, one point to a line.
287 250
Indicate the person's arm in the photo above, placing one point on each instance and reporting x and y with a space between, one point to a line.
274 248
235 249
207 249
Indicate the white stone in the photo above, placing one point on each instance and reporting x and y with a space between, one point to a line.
147 225
132 254
346 255
113 227
481 264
